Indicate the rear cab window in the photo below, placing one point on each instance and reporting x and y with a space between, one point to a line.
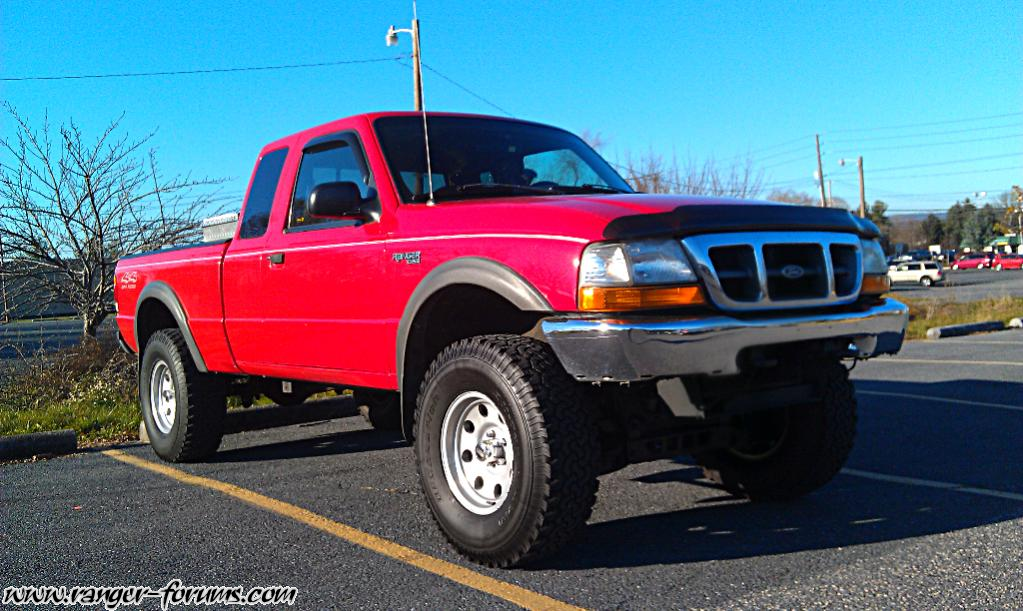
261 194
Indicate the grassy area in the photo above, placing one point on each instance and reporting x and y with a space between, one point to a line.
927 313
89 388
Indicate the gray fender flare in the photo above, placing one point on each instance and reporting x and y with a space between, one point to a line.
162 292
476 271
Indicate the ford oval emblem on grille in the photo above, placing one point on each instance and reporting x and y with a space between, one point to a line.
792 272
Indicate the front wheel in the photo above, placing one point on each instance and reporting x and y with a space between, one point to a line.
507 451
955 266
183 408
998 267
783 454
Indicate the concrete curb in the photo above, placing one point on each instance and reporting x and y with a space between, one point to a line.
967 329
36 444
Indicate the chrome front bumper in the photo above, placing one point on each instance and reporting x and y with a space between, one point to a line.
629 349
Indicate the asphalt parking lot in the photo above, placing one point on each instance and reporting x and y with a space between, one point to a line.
928 513
968 285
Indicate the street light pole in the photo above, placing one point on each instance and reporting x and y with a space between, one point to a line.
417 64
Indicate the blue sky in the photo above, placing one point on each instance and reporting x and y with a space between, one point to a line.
693 79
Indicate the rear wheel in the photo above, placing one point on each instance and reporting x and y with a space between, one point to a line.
926 282
507 451
783 454
182 408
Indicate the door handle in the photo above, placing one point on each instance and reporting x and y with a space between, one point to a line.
276 258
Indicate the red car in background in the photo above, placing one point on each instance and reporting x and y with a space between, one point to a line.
1007 261
973 260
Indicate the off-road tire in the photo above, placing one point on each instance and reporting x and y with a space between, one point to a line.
553 434
201 401
816 444
381 409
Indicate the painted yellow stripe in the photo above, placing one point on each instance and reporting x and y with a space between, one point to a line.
459 574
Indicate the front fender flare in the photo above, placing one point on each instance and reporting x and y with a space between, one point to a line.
475 271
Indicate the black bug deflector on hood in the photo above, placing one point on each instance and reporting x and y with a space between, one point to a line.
702 219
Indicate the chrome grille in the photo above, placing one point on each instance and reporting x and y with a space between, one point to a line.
774 270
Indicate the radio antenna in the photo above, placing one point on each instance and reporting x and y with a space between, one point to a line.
417 86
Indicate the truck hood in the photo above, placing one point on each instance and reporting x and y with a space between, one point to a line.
630 216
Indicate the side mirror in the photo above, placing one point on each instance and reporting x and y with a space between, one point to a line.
336 200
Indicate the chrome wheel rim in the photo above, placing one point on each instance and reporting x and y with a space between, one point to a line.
163 404
477 454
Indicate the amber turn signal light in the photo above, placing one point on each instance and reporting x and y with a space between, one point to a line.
876 284
621 298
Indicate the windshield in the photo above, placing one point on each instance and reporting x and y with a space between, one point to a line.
476 157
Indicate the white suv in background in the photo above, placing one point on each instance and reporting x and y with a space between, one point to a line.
924 273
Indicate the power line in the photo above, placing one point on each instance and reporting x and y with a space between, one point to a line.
940 163
465 89
66 77
780 144
927 144
942 174
925 134
930 123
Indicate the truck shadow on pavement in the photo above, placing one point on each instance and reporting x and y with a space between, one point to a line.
976 446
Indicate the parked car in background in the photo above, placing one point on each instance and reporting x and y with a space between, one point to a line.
972 260
924 273
1007 261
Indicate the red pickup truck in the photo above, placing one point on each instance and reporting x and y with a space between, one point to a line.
529 325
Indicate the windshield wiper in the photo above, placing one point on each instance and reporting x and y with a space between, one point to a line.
500 186
599 188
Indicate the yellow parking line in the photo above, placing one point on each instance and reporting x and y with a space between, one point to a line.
944 362
459 574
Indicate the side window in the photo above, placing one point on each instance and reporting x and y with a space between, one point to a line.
261 194
903 268
335 161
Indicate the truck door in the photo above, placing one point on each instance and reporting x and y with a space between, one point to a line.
243 265
322 277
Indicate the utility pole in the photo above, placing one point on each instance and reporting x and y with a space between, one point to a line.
863 196
417 68
820 171
417 65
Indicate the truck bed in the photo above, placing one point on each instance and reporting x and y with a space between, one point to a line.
196 266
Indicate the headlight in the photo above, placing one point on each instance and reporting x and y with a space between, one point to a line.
636 275
873 257
635 263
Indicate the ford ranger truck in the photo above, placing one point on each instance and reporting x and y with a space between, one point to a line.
531 324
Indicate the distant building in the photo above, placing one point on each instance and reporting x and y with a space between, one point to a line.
1005 243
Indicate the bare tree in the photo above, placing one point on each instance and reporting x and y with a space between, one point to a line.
69 208
652 173
790 196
